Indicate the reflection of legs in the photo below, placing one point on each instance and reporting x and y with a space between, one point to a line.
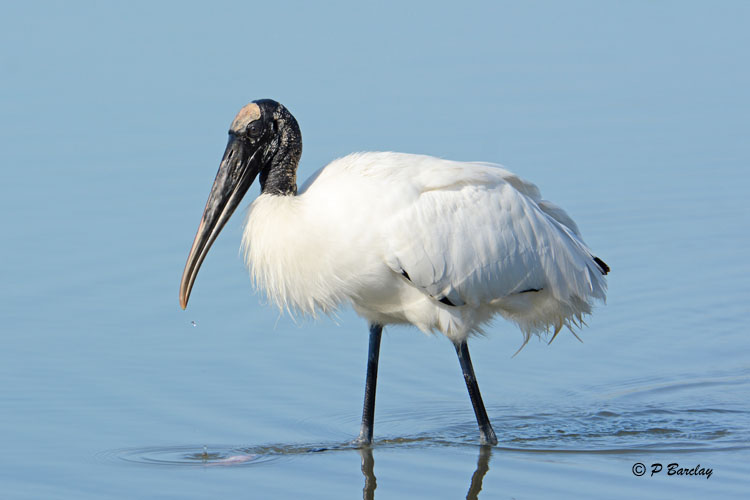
486 433
368 411
483 465
368 470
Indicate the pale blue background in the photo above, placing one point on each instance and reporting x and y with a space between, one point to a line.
113 117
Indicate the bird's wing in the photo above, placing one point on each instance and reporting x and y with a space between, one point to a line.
532 191
475 233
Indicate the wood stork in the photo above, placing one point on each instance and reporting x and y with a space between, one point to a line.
404 239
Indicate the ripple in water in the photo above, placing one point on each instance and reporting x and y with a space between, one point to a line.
192 456
217 455
627 431
610 430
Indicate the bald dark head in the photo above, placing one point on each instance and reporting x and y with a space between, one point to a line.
265 142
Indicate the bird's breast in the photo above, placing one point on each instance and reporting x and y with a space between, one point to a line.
305 256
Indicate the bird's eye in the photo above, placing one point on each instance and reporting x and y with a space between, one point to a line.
254 130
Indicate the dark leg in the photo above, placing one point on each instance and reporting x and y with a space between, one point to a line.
486 433
368 411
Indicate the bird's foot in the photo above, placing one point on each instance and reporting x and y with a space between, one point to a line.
361 442
487 437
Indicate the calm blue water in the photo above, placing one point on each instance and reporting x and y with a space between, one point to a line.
633 116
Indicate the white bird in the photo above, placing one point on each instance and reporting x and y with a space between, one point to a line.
405 239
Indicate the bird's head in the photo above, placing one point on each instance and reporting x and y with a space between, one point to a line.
265 141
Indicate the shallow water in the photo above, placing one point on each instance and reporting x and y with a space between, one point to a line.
632 117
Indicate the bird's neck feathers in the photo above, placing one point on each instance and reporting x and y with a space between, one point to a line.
280 177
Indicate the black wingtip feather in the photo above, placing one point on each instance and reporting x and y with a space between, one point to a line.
602 265
447 301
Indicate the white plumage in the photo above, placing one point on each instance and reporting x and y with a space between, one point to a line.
405 239
393 233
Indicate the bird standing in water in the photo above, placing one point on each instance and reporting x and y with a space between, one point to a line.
405 239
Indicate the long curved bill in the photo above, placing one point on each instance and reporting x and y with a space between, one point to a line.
237 171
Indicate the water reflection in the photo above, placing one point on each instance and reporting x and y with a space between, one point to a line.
619 425
475 486
368 470
483 465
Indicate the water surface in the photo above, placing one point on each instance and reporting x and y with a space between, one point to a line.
113 120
